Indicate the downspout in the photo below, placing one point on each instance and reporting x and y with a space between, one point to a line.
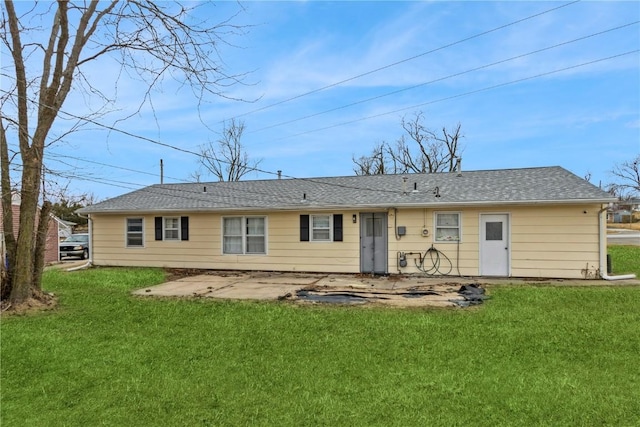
88 263
603 251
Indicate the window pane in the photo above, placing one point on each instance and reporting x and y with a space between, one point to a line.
171 228
255 226
134 232
134 224
447 234
368 227
321 235
321 228
255 245
377 227
321 221
233 226
232 245
493 231
447 220
134 240
255 236
244 235
232 238
171 223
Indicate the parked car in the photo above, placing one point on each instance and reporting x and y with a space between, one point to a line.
76 245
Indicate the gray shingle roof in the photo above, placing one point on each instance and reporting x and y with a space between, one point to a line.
551 185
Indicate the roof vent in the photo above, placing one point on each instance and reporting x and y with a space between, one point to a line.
204 189
436 191
415 187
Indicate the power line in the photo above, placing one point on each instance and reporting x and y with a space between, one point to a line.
406 59
357 120
55 155
369 117
445 77
185 194
459 95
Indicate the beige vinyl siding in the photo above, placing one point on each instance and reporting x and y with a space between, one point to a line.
462 255
285 251
546 242
555 241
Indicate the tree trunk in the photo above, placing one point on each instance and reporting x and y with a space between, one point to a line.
22 276
41 245
118 27
7 218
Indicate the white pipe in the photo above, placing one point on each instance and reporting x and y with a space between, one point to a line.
603 252
80 267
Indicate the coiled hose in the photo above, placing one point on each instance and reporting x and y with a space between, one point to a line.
437 259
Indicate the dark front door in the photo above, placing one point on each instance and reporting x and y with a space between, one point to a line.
373 242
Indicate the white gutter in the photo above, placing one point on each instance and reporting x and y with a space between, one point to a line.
603 251
359 206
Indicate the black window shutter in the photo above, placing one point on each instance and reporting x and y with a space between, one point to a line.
304 228
184 227
158 228
337 228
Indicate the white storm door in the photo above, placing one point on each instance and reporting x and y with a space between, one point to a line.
494 245
373 239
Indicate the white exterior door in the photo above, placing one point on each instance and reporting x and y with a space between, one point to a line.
494 245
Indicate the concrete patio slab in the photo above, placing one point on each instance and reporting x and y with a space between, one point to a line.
256 291
401 291
243 286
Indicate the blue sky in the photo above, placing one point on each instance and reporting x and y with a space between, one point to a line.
522 112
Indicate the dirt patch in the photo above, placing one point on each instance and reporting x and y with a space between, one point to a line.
442 295
181 273
43 302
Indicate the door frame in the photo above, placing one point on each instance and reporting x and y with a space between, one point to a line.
384 238
481 233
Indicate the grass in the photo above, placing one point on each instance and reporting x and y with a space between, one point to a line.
625 259
541 356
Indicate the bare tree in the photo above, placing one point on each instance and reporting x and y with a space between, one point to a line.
150 40
419 150
627 176
378 163
226 158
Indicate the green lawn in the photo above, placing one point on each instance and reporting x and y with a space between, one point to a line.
625 259
531 356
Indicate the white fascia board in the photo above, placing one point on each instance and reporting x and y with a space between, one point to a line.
321 207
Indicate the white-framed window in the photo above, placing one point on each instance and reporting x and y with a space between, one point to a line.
321 228
135 232
171 228
448 227
244 235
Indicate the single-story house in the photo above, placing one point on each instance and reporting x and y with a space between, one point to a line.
619 216
624 211
540 222
51 253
